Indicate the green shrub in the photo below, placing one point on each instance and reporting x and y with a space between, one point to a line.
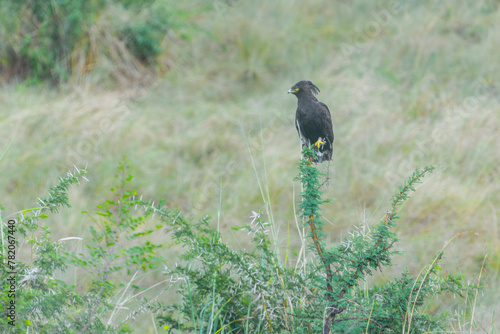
144 35
219 289
253 291
55 40
343 303
46 34
118 246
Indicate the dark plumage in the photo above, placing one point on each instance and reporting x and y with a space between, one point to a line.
313 120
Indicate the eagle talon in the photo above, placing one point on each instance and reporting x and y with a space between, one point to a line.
319 143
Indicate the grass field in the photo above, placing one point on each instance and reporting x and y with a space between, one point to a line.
408 83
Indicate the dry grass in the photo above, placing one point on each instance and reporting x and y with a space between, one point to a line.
417 85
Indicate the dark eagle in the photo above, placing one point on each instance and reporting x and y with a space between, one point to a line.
313 120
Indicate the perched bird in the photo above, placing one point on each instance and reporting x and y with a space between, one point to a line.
313 120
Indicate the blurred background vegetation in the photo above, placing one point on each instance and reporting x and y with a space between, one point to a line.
194 94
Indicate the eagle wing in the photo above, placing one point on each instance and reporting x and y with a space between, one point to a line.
327 124
314 121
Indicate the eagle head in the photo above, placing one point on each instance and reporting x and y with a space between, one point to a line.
304 87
